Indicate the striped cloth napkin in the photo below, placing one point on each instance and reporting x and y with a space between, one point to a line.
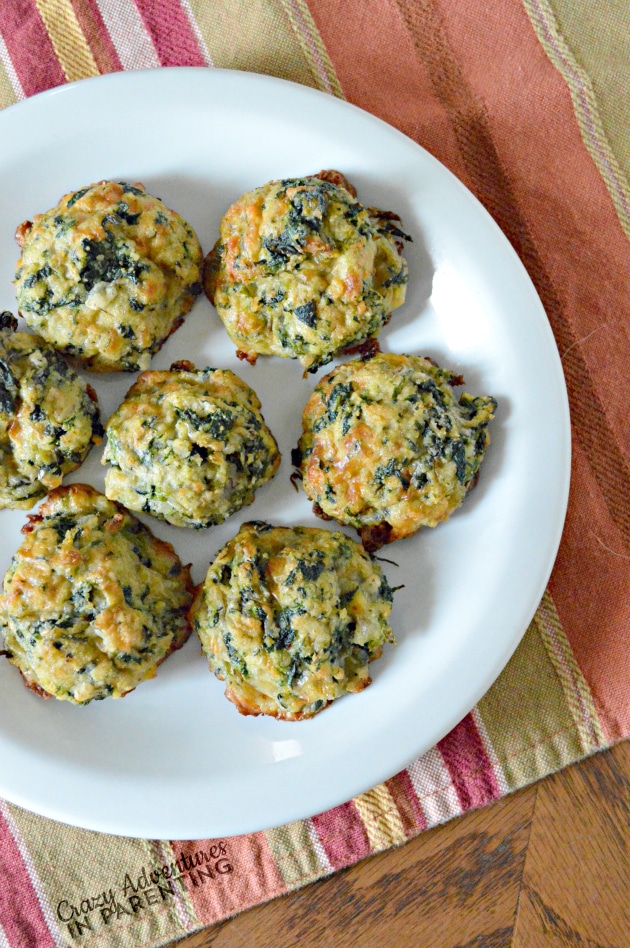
526 102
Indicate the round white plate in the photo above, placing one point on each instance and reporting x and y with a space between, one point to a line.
174 759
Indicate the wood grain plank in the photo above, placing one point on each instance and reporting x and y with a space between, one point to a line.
576 883
548 867
446 888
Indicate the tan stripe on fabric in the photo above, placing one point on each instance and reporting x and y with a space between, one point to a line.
252 35
576 690
67 37
164 855
7 93
540 736
314 50
381 818
292 849
585 106
75 864
598 35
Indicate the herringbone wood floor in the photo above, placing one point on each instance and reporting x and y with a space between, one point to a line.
548 867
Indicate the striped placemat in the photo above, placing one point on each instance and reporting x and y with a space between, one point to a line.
526 101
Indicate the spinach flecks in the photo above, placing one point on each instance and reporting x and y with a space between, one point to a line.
398 279
307 314
458 453
312 571
106 261
122 210
77 196
8 388
129 189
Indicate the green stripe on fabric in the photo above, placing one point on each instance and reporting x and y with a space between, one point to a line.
294 854
312 46
598 35
587 107
518 710
576 690
253 35
101 882
7 95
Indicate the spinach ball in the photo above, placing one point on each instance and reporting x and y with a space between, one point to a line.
291 617
302 270
49 417
387 446
93 602
107 275
189 446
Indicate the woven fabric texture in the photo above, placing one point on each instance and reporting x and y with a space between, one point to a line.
526 102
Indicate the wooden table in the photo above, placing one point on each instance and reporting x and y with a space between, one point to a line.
548 867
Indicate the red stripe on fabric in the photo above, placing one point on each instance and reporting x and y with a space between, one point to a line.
171 33
29 46
468 765
95 32
20 912
225 876
342 834
406 800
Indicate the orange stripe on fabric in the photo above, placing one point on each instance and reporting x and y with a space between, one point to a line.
494 188
379 70
229 875
571 228
555 209
585 104
592 602
69 43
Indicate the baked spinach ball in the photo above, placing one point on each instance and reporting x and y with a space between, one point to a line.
291 617
49 417
387 447
92 602
188 446
107 275
301 270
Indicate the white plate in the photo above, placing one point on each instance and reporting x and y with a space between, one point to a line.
174 759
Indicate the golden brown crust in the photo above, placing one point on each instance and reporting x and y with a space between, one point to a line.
107 275
93 603
302 270
188 446
387 447
251 709
22 231
290 618
340 180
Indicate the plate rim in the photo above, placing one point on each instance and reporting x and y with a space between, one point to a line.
502 657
